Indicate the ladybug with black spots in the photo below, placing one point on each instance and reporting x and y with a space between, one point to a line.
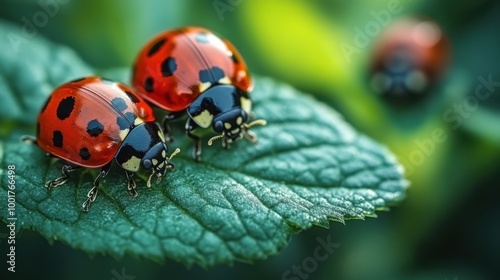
90 121
191 71
409 59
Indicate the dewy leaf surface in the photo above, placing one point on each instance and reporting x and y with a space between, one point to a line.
308 168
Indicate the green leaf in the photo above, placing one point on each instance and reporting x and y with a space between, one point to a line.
308 168
30 68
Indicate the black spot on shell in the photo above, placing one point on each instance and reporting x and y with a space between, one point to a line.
156 46
130 117
65 107
77 80
119 104
84 153
168 67
57 138
149 84
212 75
122 123
132 97
202 37
94 128
126 121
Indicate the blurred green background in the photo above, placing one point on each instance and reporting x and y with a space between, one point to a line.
447 228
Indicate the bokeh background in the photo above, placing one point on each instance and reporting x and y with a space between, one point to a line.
449 225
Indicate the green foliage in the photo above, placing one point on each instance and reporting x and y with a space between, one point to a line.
308 168
30 68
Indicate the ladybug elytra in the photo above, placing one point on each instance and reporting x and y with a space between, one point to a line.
91 121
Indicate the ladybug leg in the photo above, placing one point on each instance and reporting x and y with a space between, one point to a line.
166 127
66 169
91 196
225 144
190 126
131 184
250 136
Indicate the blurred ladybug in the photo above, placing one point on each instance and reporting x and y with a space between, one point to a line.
91 121
409 58
192 71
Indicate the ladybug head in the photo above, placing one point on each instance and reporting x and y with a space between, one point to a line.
157 161
144 148
232 126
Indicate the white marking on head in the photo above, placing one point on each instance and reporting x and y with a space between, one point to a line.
235 131
239 120
155 162
227 125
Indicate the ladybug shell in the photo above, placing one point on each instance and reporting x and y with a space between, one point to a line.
410 56
85 121
178 65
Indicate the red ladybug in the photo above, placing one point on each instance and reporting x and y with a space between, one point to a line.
408 60
192 71
91 121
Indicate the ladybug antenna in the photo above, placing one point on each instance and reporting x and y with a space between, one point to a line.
211 140
250 136
171 166
256 122
174 153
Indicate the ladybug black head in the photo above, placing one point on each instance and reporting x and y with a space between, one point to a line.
232 125
156 161
144 148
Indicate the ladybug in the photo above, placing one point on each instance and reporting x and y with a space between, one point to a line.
408 59
90 121
191 71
